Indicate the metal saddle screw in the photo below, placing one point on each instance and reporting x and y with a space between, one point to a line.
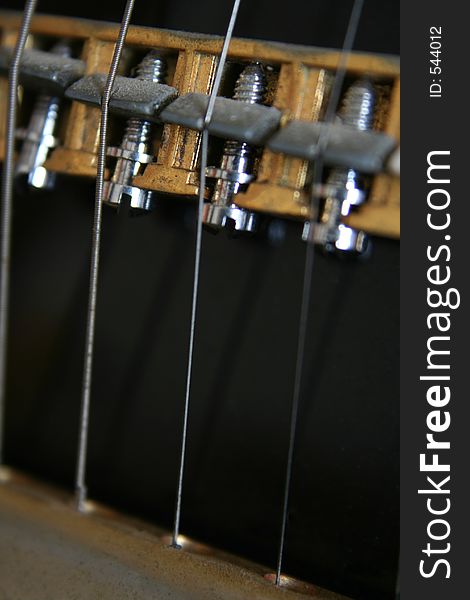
134 149
236 167
344 187
39 138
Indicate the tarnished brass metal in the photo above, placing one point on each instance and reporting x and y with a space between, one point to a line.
49 550
78 154
243 49
304 78
176 171
302 93
280 185
381 214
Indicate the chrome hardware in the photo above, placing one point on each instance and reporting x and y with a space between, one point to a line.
236 167
134 149
39 138
344 187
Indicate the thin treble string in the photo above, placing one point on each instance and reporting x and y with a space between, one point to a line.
197 259
6 211
317 176
80 483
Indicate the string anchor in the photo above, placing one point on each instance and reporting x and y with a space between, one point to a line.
135 148
236 169
344 188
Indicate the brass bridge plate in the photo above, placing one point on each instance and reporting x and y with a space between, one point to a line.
299 85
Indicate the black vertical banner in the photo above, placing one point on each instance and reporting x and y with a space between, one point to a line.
435 251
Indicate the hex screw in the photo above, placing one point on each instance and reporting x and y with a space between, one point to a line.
39 138
134 150
345 186
236 167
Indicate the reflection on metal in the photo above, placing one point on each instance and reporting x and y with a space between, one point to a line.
297 98
101 554
39 138
135 148
236 169
345 187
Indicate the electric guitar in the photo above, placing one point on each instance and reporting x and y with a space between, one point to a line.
268 122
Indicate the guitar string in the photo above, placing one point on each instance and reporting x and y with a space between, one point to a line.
398 580
318 167
6 241
197 260
94 269
7 198
80 481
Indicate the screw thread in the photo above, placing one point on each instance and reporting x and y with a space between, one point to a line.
358 106
44 116
46 108
39 136
357 112
251 85
152 68
62 48
138 132
251 89
238 156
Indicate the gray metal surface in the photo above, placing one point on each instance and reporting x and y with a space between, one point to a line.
131 97
44 71
233 120
366 151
